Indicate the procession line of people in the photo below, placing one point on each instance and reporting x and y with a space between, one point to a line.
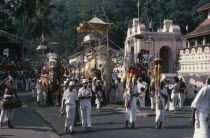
160 97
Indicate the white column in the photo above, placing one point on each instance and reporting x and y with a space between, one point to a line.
188 44
209 14
196 42
204 40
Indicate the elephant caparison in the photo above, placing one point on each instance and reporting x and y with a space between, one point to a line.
51 75
103 64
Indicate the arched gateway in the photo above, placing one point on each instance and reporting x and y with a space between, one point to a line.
166 56
166 42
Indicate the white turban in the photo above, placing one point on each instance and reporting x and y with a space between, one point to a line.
71 83
51 59
65 82
84 80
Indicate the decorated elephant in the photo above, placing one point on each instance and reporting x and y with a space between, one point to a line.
51 75
100 66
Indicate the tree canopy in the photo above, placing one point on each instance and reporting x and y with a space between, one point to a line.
58 19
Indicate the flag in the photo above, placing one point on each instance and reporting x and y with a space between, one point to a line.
187 27
137 4
42 38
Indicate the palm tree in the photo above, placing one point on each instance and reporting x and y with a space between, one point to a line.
34 17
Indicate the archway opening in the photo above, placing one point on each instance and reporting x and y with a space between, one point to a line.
166 56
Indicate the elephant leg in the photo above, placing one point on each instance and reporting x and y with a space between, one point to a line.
50 97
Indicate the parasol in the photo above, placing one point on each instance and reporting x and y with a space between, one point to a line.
41 47
93 25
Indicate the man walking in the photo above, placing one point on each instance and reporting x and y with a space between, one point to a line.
181 93
130 104
174 95
70 97
32 85
152 94
99 95
142 87
200 110
9 95
40 93
85 96
119 91
162 98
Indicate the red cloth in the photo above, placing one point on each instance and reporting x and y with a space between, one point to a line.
181 91
127 103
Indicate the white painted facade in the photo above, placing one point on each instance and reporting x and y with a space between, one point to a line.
168 39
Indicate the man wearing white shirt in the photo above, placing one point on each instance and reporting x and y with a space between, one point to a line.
85 96
200 110
142 87
69 100
174 95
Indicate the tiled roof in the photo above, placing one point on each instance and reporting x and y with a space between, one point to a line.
205 7
201 30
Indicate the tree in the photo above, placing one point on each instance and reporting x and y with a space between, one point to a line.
33 17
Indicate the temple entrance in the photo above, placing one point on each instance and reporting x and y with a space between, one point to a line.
166 56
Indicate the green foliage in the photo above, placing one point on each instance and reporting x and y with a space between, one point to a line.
58 19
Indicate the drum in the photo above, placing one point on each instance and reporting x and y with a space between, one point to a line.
11 103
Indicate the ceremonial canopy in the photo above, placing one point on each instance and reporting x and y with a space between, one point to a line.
93 25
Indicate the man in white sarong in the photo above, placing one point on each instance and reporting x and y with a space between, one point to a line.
142 87
182 93
130 104
161 100
119 91
200 110
174 95
41 97
152 94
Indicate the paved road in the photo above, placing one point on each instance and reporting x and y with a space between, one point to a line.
110 123
28 124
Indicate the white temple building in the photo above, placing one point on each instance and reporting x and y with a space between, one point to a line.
186 56
195 58
165 43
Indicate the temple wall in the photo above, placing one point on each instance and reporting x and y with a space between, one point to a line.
195 68
169 37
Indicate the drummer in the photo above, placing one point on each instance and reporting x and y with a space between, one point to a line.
9 93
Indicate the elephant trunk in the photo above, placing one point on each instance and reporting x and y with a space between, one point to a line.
106 77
